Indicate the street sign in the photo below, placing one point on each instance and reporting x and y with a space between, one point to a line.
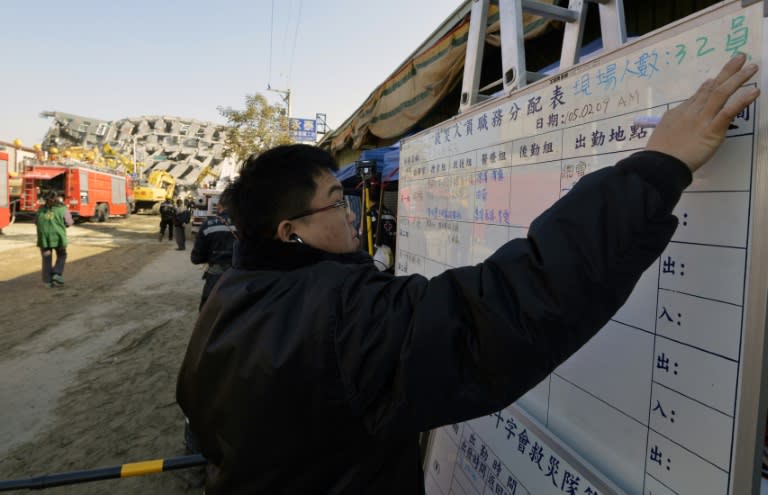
303 129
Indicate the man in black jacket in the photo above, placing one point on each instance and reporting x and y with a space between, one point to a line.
309 371
213 245
167 213
180 218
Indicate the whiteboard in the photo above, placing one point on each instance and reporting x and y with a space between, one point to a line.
668 397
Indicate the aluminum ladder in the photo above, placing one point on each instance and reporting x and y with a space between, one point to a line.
514 72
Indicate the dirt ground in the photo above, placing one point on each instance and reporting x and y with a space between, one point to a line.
88 370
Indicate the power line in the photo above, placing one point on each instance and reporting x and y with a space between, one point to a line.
293 49
284 52
271 36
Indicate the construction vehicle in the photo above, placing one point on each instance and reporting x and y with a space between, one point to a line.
15 156
206 175
6 214
87 192
14 185
150 193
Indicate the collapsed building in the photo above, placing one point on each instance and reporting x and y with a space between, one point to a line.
190 150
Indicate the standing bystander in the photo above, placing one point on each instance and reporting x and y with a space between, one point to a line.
213 245
180 218
167 214
52 221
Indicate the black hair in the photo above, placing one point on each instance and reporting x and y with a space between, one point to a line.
274 186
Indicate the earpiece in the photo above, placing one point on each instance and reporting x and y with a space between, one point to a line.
295 238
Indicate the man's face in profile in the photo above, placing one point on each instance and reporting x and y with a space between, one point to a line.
331 229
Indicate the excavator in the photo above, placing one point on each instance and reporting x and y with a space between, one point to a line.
206 174
149 193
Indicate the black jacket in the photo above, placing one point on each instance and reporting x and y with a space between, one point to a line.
313 373
181 217
214 241
167 211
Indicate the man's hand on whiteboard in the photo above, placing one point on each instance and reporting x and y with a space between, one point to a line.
694 130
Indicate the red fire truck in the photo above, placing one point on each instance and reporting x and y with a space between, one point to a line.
88 192
5 200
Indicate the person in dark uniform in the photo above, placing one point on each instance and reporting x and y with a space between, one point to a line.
213 245
167 213
180 218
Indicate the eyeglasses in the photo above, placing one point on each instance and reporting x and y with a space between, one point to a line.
342 203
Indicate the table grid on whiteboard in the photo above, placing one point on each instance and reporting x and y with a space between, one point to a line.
671 337
654 391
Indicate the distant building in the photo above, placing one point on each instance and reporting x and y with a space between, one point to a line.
185 148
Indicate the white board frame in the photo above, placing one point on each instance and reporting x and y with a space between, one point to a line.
752 398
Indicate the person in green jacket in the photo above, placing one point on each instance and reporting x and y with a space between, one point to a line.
52 222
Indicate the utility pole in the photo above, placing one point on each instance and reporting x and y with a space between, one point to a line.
136 166
321 123
285 95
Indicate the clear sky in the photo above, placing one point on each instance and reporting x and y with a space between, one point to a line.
109 60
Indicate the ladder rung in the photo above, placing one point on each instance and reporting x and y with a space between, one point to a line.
497 82
549 11
514 73
530 77
534 76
